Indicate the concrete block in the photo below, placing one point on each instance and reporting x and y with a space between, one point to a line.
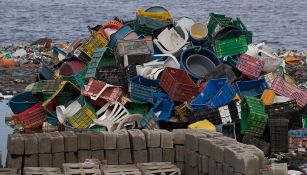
179 155
230 152
45 160
58 159
84 172
137 139
257 152
246 164
97 141
57 142
31 144
179 135
204 164
154 154
41 170
70 141
98 154
191 157
279 168
204 145
44 143
149 168
8 171
225 169
168 155
167 139
212 167
180 165
217 151
219 170
189 170
14 161
174 171
231 171
124 157
122 139
15 144
30 160
120 170
153 139
191 140
111 155
84 140
84 154
140 156
109 140
69 167
71 157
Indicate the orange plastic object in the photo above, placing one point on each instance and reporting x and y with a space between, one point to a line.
268 96
237 97
293 59
7 63
112 25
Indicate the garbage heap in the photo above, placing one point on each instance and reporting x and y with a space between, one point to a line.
157 72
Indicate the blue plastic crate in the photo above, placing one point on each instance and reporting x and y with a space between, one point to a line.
149 121
297 133
163 109
252 88
217 92
142 89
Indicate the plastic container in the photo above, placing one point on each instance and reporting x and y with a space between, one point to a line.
22 101
31 118
199 65
222 71
114 24
198 33
71 67
252 88
204 124
178 84
181 112
259 143
95 41
217 92
163 109
113 75
282 87
142 89
301 133
186 22
278 135
83 118
78 79
268 96
7 63
47 72
149 121
250 66
120 34
230 47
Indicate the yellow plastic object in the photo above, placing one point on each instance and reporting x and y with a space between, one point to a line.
204 124
95 41
83 118
237 98
268 96
163 16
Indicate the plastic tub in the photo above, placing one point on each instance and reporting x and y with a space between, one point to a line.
198 33
199 65
71 67
22 101
252 88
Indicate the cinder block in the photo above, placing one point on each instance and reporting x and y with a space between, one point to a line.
180 165
41 170
204 164
122 139
71 157
122 172
219 170
189 170
69 167
225 169
217 151
45 160
70 141
84 172
124 156
231 171
57 142
14 161
153 139
191 158
8 171
137 139
168 155
191 140
15 144
246 163
152 166
257 152
84 154
31 144
97 141
31 160
204 145
179 156
109 140
230 152
154 154
140 156
212 167
179 135
98 154
111 156
84 141
167 139
58 159
44 143
279 168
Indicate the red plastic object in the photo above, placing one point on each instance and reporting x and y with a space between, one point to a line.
71 67
282 87
31 118
250 66
114 24
178 84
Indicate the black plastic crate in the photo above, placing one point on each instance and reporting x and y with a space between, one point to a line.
278 134
113 75
235 111
213 115
259 143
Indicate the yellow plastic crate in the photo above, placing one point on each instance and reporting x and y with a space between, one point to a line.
268 96
83 118
95 41
163 16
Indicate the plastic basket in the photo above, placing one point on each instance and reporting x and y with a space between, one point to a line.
250 66
230 47
222 71
142 89
78 79
152 23
268 97
259 143
149 121
31 118
178 84
112 75
270 77
301 133
22 101
252 88
95 41
83 118
279 135
181 112
46 88
282 87
120 34
217 92
47 72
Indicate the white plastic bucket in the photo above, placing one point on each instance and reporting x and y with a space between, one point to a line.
199 31
186 23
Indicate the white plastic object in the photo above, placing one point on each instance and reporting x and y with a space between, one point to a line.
101 91
64 113
199 31
186 23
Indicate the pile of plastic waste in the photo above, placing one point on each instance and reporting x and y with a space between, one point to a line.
157 72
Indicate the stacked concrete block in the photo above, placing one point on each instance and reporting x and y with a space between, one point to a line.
8 171
15 148
70 146
111 153
123 147
84 146
57 149
81 168
138 146
41 170
44 150
120 170
31 150
158 168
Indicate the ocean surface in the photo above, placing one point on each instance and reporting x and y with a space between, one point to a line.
280 23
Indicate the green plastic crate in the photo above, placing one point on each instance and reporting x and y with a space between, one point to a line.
77 79
304 117
231 47
83 118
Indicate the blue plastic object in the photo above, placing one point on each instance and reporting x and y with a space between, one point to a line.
60 51
163 109
217 92
142 89
120 34
197 50
252 88
22 101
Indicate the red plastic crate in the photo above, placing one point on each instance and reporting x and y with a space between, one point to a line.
31 118
178 84
282 87
250 66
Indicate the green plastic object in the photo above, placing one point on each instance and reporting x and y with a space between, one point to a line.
231 47
253 117
304 117
135 107
78 79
